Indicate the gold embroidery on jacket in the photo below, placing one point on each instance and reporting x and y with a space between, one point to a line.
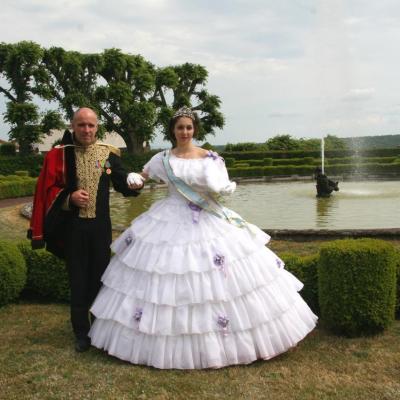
89 167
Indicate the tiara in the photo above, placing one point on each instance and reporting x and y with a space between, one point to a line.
184 112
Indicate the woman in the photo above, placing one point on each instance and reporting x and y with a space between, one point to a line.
191 284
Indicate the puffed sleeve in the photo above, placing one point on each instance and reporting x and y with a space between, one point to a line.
154 168
216 175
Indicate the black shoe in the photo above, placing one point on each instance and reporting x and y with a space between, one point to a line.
82 344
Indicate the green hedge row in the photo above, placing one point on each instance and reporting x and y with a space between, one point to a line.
351 283
310 161
9 165
16 186
308 170
361 160
259 155
371 168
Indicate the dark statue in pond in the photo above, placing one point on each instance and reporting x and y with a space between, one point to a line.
325 186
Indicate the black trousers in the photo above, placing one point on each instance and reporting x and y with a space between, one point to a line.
87 256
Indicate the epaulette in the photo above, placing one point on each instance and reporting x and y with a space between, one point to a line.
60 146
112 148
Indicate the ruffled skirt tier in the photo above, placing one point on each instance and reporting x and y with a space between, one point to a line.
189 290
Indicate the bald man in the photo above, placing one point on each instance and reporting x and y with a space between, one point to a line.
71 214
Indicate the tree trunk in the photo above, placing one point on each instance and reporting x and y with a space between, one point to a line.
134 144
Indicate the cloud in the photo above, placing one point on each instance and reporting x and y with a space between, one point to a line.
298 66
359 94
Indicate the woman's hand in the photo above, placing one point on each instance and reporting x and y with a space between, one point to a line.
135 181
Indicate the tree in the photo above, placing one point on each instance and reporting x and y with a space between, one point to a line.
20 65
119 87
332 142
282 142
126 99
184 85
72 78
245 146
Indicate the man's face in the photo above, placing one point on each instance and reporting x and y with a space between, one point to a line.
84 125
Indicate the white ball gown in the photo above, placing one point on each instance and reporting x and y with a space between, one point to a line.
186 289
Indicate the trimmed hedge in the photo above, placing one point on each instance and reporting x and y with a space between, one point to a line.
33 164
296 161
370 168
357 286
398 285
258 155
12 272
47 275
308 170
229 162
306 270
8 149
360 160
136 162
16 186
271 171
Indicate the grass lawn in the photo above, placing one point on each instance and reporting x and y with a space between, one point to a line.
38 362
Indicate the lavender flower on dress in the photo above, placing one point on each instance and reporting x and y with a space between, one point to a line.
223 322
128 240
213 155
138 314
195 212
219 261
279 263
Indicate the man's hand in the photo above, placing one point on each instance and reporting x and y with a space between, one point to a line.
135 181
79 198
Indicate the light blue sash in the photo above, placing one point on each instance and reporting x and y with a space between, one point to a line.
203 201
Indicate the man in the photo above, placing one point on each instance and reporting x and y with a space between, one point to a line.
71 213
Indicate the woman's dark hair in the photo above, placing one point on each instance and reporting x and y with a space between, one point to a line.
171 127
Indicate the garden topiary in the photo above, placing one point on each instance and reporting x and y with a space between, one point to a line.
357 286
47 275
12 272
305 268
398 285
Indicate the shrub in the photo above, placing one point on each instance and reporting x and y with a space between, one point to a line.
398 285
268 161
306 270
16 186
12 272
47 274
136 162
253 155
21 173
33 164
8 149
357 286
229 162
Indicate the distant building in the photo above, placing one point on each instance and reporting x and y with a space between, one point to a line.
56 135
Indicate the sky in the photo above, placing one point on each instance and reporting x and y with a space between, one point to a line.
307 68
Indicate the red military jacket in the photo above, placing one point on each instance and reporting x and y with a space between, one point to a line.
51 192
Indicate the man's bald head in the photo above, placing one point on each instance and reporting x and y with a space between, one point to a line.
84 111
84 125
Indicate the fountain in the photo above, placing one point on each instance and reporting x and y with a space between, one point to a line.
324 186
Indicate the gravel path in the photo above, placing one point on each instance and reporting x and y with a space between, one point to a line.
12 202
